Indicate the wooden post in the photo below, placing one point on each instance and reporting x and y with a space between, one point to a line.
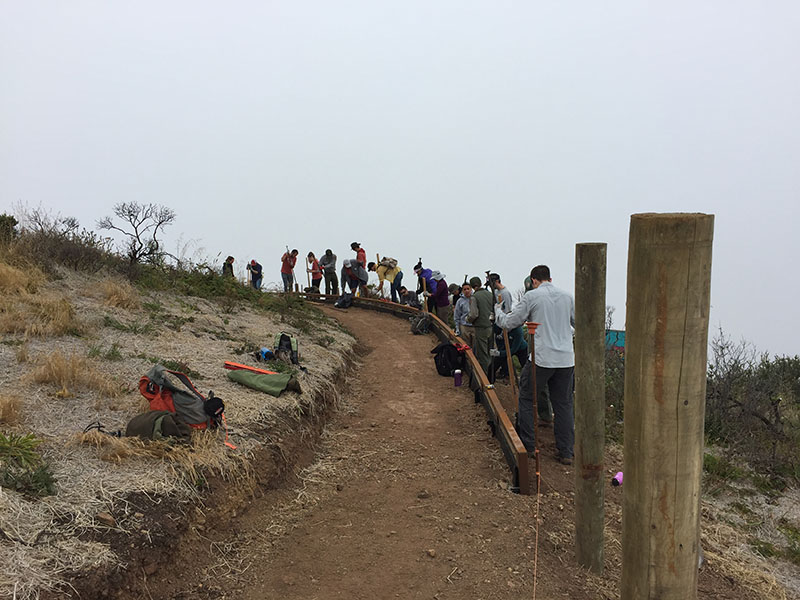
669 289
590 313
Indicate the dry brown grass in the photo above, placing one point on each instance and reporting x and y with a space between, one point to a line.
9 409
119 293
71 373
204 455
16 280
38 316
21 353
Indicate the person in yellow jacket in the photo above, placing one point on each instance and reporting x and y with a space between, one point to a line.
388 270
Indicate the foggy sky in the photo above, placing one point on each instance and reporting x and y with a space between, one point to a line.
476 135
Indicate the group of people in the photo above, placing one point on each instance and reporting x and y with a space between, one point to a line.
482 310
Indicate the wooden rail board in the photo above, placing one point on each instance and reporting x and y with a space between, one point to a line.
499 422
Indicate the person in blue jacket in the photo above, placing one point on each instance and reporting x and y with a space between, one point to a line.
426 276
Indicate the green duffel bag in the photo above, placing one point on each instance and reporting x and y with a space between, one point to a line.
157 425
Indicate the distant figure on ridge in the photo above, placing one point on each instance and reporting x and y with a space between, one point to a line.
354 275
328 264
256 274
389 270
408 297
288 261
480 317
425 283
316 272
441 297
361 254
227 267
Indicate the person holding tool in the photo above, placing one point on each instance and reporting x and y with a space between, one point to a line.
426 285
388 269
315 271
480 317
328 264
288 260
256 274
554 357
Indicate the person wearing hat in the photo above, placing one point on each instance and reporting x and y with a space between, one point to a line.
361 254
441 298
554 310
481 310
256 274
328 264
354 275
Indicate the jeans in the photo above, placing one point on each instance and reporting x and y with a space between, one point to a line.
395 285
560 383
288 280
331 284
256 282
315 285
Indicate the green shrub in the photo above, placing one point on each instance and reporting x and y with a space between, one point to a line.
22 468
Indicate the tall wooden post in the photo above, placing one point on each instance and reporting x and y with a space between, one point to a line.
669 289
590 313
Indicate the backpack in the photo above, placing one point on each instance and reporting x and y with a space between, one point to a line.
286 347
180 398
344 301
157 425
447 359
389 263
421 323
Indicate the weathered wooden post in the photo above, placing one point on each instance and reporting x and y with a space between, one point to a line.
669 289
590 312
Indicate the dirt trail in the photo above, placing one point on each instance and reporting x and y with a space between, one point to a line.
409 499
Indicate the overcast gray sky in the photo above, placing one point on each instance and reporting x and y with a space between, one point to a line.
477 135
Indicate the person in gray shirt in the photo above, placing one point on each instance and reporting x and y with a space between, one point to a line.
501 293
463 328
328 263
553 354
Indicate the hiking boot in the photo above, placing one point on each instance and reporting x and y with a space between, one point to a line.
564 460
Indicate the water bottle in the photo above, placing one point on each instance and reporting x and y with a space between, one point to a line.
457 377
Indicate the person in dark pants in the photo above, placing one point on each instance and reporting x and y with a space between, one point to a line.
553 355
328 264
388 270
518 346
227 267
256 274
316 272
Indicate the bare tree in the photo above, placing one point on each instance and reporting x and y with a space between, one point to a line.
141 224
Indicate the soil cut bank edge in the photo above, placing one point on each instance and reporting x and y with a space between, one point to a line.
159 544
